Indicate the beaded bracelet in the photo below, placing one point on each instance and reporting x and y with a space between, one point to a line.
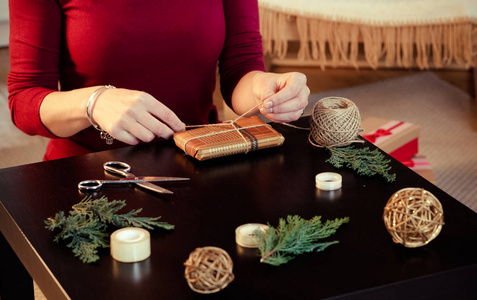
89 110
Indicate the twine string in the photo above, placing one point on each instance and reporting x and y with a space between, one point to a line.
232 123
335 122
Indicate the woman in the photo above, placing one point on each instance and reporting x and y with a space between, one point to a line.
160 55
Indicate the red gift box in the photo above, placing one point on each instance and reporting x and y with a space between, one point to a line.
421 166
399 139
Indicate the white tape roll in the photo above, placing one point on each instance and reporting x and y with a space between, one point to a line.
328 181
244 234
130 244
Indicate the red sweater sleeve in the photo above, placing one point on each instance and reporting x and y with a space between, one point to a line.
242 50
34 55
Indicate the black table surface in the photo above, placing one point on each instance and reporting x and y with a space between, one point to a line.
224 193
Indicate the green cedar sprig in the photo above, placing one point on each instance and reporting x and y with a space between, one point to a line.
295 236
362 160
87 225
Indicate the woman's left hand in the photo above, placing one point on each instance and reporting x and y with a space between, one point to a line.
283 97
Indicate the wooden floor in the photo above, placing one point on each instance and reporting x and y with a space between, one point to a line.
4 64
330 79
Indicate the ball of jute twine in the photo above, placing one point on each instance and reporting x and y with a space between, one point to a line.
413 217
208 270
335 122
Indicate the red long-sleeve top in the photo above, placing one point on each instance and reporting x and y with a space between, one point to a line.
168 49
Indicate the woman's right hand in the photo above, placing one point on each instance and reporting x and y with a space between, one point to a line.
132 116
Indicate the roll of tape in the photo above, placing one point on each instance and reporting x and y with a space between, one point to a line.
130 244
328 181
244 234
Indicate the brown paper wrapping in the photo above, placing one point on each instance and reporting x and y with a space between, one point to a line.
224 139
396 140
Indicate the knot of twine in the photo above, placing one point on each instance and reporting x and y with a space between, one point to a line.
232 123
335 122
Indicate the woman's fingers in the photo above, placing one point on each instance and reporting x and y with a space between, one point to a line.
133 116
166 117
124 136
290 97
288 103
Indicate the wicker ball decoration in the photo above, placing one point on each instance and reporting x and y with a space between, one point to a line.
335 122
208 270
413 217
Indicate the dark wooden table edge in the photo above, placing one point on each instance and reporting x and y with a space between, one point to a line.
457 283
30 259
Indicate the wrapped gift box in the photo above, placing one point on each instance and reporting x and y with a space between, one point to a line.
217 140
399 139
421 166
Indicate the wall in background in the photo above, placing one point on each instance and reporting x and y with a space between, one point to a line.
4 23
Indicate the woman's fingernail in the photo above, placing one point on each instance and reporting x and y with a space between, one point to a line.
266 110
268 104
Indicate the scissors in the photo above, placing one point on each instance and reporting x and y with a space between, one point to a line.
121 168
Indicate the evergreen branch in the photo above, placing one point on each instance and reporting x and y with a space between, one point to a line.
295 236
362 160
87 224
130 219
86 251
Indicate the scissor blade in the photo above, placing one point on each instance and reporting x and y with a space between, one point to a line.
154 178
153 187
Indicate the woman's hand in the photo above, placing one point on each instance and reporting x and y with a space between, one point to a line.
133 116
283 97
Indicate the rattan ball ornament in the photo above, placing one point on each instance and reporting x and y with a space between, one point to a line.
335 122
413 217
208 270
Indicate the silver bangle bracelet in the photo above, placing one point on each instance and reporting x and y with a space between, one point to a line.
89 111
